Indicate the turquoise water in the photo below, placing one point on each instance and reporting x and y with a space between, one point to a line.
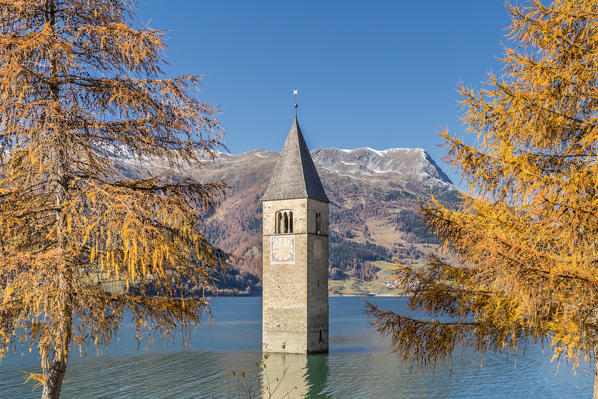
359 365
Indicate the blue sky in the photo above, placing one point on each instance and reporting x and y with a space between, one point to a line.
377 74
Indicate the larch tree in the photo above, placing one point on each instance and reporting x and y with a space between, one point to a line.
524 243
82 92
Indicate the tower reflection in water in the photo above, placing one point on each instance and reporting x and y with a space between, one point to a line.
291 376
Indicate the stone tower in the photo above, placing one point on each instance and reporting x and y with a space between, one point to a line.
295 253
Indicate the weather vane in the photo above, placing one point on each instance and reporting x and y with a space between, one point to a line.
295 92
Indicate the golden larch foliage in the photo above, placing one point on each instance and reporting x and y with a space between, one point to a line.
525 240
82 92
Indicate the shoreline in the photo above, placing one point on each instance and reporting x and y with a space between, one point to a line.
329 296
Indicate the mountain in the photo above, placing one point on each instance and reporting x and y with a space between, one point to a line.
374 195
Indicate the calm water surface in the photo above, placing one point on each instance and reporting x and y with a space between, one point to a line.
359 365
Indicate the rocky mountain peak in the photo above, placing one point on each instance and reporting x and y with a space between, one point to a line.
406 164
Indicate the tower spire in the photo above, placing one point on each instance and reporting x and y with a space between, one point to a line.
295 175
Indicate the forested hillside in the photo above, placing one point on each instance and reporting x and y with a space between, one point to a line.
375 197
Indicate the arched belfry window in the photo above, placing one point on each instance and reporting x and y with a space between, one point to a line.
284 222
278 222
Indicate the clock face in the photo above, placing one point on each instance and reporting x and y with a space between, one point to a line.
282 249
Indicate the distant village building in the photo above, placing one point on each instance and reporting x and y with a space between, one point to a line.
295 253
392 284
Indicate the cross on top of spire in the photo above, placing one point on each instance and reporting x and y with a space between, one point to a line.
295 93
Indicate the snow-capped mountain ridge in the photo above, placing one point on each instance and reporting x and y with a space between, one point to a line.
407 164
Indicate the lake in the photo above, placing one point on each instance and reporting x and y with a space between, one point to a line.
359 365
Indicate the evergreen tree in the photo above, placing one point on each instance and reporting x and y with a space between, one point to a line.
82 91
525 242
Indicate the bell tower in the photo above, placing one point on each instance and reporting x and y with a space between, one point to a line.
295 253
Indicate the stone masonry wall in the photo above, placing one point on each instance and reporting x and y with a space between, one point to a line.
295 295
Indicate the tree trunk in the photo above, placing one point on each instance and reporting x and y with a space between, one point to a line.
57 367
54 379
60 355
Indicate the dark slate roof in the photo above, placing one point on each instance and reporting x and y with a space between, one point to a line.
295 175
